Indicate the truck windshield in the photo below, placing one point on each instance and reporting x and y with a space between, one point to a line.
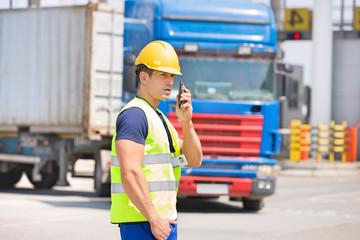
227 78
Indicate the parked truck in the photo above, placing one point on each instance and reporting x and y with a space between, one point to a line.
62 88
227 53
60 91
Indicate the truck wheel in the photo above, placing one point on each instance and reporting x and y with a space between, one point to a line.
101 189
9 179
253 205
48 180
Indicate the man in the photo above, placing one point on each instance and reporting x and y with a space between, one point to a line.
146 150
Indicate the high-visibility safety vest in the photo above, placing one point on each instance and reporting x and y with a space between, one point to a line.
160 166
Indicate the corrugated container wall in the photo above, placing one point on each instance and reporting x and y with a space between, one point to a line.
61 69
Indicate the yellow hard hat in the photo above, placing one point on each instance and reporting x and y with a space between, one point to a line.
161 56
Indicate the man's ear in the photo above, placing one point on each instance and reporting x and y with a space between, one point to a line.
143 76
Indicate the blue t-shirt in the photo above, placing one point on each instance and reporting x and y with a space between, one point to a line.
132 125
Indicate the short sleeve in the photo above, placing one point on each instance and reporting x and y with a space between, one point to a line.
132 125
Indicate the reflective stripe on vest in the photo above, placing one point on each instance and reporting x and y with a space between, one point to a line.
153 186
152 159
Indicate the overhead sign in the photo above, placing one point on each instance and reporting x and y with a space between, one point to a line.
297 19
356 18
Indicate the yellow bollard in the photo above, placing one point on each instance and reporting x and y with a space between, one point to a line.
295 140
332 135
337 140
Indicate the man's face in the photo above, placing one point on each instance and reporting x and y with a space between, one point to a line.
160 85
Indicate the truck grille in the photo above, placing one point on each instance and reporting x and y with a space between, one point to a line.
225 135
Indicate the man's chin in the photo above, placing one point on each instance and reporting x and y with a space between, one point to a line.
165 97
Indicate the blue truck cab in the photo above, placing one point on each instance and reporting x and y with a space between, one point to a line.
226 51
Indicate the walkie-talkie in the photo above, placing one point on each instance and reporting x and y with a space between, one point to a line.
181 91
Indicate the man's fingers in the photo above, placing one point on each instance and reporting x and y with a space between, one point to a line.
187 91
185 98
163 235
186 105
172 221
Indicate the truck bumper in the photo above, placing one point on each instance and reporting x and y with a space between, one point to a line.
263 187
233 187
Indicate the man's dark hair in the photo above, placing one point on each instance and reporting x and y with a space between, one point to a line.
142 68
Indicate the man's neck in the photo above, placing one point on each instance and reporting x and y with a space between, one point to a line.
154 103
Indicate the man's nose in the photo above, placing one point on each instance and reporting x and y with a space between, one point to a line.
170 79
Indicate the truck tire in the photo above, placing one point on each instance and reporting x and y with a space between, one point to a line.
9 179
253 204
101 189
48 180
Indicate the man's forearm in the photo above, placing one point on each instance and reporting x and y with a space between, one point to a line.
136 187
191 145
133 178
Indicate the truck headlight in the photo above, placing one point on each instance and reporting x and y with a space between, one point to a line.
242 50
189 47
265 171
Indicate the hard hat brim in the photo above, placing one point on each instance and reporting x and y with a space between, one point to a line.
168 70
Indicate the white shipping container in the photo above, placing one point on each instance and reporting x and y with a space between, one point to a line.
61 69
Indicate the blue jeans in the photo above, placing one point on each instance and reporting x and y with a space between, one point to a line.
142 231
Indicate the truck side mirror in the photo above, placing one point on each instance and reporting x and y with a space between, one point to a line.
129 83
129 60
284 86
284 81
284 67
289 87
